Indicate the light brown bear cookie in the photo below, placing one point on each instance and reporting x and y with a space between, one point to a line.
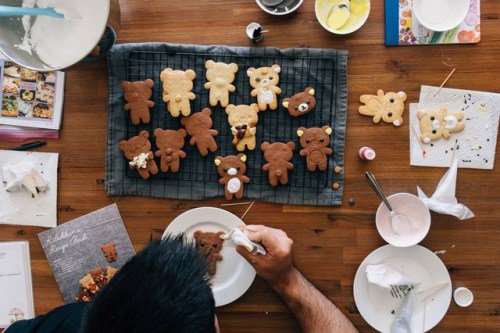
315 142
243 120
232 171
137 150
138 94
220 76
209 245
265 81
199 127
278 156
387 107
301 103
177 90
435 125
170 144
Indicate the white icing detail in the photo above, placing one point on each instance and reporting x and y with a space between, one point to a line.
233 185
140 161
303 107
232 171
396 123
266 96
435 123
451 122
427 140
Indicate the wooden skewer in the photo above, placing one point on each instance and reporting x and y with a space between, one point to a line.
245 213
444 82
236 203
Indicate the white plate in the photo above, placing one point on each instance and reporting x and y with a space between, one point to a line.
234 274
379 308
440 15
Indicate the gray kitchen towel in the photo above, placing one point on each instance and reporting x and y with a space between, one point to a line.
323 69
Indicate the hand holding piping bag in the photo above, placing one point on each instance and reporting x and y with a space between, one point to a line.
239 238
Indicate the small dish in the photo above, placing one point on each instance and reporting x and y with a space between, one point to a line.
440 15
279 7
414 220
359 12
463 297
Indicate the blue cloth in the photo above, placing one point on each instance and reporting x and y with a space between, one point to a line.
323 69
64 319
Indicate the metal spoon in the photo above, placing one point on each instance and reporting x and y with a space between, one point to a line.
20 11
395 220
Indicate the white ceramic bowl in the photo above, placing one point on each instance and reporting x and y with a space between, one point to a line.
283 8
440 15
414 224
55 43
463 297
360 10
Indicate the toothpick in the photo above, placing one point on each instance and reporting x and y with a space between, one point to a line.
444 82
236 203
245 213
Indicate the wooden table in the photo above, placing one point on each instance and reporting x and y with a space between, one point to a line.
330 242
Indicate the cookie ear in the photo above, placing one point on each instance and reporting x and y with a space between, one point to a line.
286 103
255 107
402 95
230 108
206 111
291 145
144 134
242 157
149 83
209 64
264 146
250 71
233 67
184 121
327 129
165 73
310 91
421 114
380 93
300 131
276 68
190 74
197 234
158 131
123 144
126 84
182 132
220 233
218 160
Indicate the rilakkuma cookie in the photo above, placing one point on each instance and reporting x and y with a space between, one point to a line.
170 144
209 245
265 81
199 127
435 125
137 150
138 94
243 120
387 107
99 277
88 283
315 142
232 171
278 156
177 90
301 103
220 76
109 251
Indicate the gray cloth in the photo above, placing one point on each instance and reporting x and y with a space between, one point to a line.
323 69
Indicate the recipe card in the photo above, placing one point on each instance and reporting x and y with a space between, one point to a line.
16 290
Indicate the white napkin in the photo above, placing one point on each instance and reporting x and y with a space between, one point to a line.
402 322
386 276
24 174
444 200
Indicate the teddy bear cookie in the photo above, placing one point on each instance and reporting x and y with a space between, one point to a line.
209 245
220 77
315 142
301 103
243 120
265 81
138 94
199 127
170 144
137 150
278 156
387 107
232 171
177 90
435 125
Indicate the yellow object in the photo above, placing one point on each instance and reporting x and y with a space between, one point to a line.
339 14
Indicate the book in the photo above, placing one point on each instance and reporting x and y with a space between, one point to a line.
75 248
16 288
31 98
402 28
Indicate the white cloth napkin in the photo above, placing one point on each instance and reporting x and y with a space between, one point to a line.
402 322
386 276
444 200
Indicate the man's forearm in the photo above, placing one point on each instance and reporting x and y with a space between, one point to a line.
314 312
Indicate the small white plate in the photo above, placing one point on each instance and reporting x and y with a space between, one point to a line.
379 308
234 274
440 15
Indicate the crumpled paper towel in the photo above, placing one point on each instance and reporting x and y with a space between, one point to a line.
444 200
24 174
386 276
402 322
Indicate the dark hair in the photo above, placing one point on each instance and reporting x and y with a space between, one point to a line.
164 288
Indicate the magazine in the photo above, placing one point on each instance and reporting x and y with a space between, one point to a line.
31 98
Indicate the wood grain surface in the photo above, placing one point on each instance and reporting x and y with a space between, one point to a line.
330 242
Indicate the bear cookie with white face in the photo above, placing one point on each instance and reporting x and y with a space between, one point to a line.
435 125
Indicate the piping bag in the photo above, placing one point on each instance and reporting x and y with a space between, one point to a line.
239 238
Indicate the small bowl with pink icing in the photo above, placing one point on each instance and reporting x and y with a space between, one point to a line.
413 224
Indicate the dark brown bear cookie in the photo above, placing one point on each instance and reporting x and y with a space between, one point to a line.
199 127
137 150
232 171
301 103
315 142
138 94
170 144
278 155
209 245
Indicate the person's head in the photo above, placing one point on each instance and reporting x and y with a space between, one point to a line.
164 288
